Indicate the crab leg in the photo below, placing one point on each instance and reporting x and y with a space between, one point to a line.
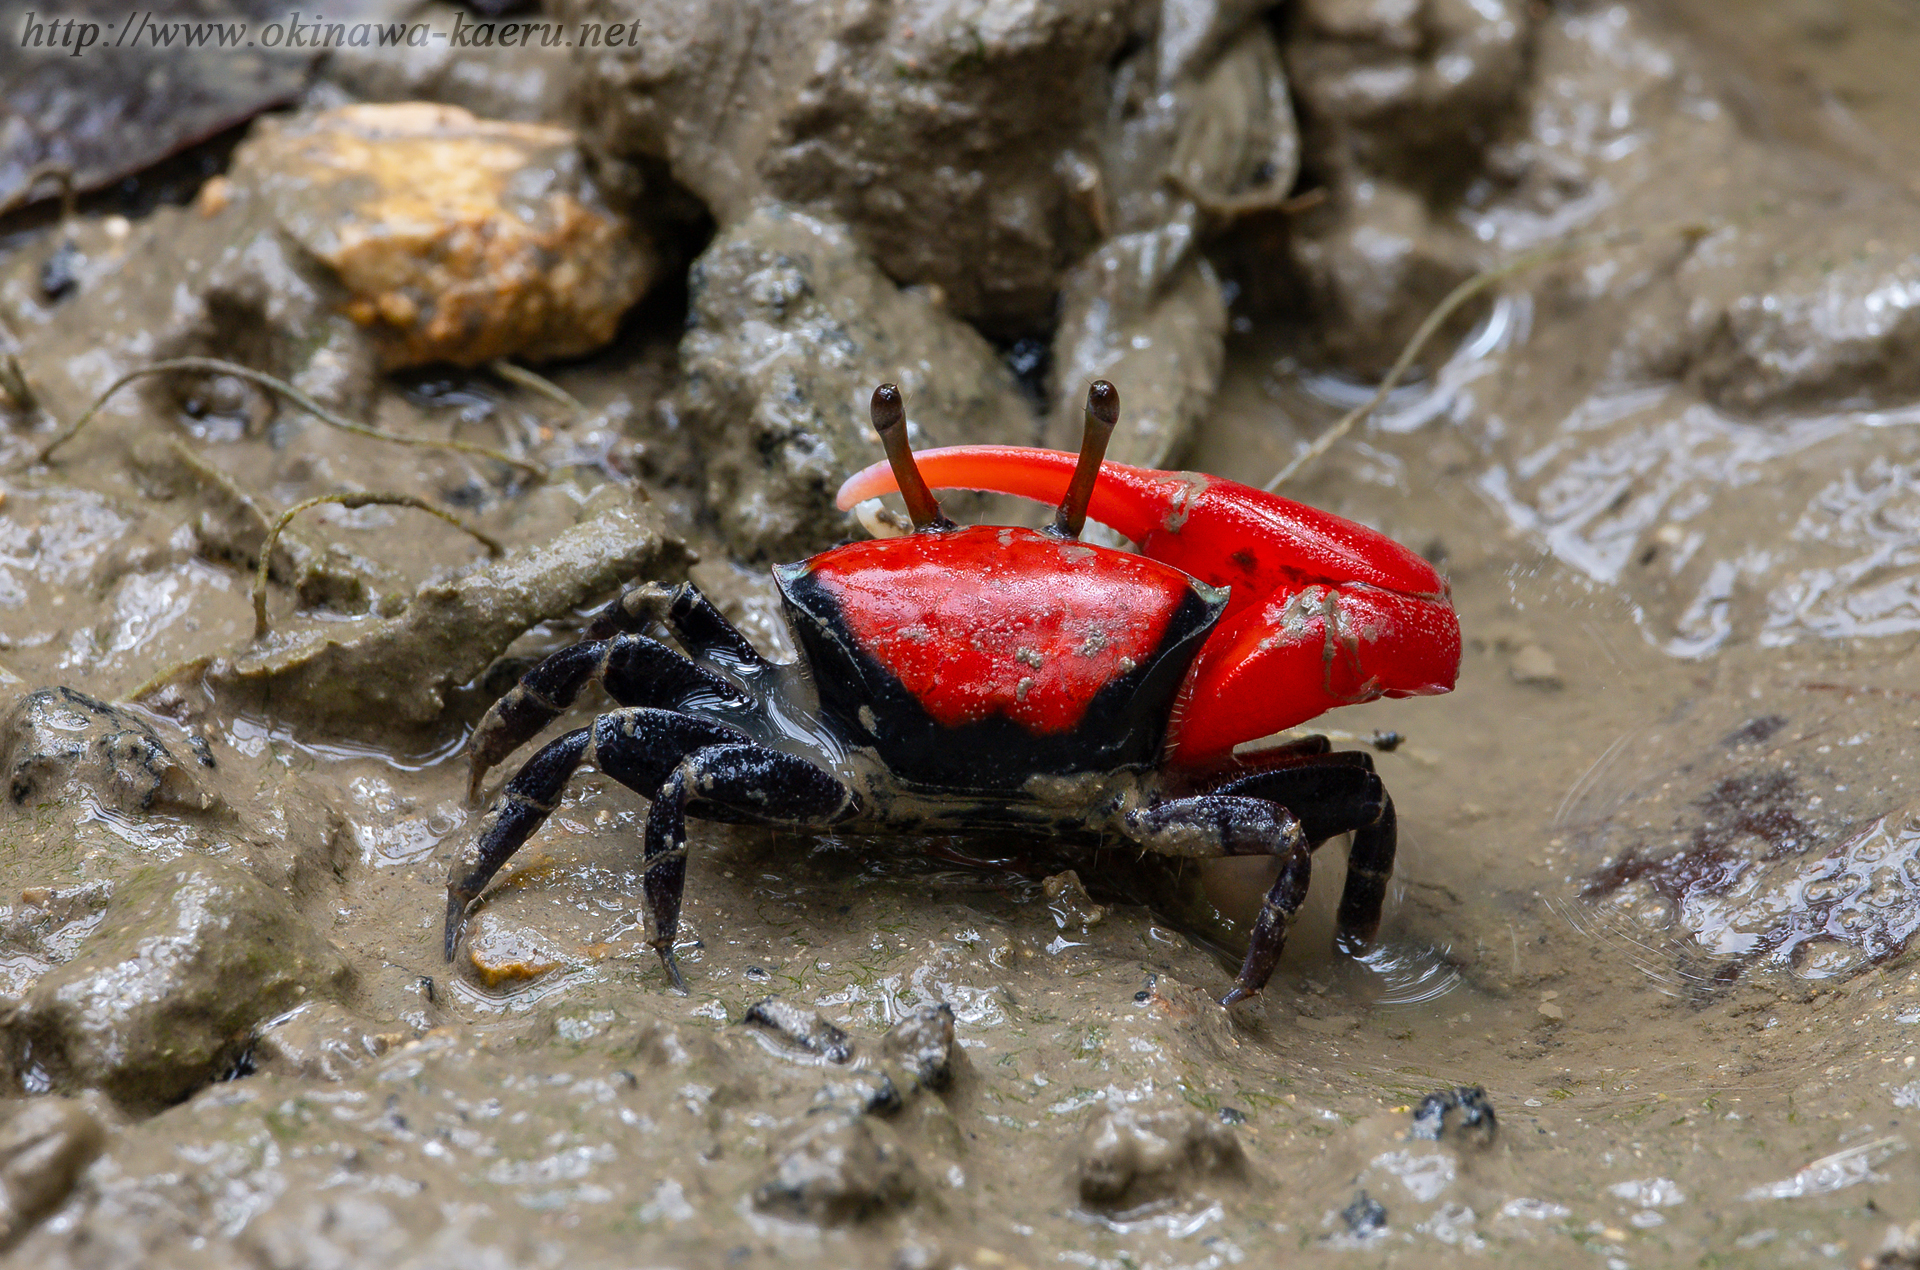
1334 794
744 782
635 671
670 758
1227 825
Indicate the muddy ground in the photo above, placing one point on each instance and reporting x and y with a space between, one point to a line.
1660 850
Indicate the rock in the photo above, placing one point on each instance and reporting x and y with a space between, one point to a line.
1374 262
952 138
165 995
1407 89
839 1169
1160 340
801 1028
456 238
340 242
526 81
44 1144
923 1041
58 741
501 951
1129 1156
791 331
1463 1115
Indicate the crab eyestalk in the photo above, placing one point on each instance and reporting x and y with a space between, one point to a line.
1103 412
890 421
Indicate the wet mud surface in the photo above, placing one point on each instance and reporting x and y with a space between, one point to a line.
1644 995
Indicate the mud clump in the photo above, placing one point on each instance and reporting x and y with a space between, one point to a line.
840 1169
1458 1115
383 671
791 328
44 1144
923 1042
59 740
800 1028
165 995
1131 1157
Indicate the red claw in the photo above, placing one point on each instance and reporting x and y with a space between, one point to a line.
1324 612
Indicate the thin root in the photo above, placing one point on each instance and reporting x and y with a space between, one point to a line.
349 500
535 383
216 366
1441 312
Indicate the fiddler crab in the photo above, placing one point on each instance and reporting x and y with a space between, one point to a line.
1000 677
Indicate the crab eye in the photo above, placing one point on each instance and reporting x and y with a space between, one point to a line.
1103 413
890 421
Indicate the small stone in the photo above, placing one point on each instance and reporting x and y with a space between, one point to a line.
839 1169
1534 665
1459 1115
801 1028
1069 900
43 1148
1130 1157
456 238
1365 1216
502 951
1551 1011
58 743
923 1040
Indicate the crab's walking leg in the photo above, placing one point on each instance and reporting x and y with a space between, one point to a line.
692 618
535 789
672 759
1221 825
1334 794
635 671
728 782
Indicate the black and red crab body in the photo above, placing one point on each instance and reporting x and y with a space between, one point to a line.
979 658
999 676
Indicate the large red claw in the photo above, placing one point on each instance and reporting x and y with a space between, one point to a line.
1324 612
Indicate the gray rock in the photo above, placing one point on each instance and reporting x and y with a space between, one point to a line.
1375 261
1408 89
44 1145
953 138
165 995
1160 339
1130 1156
792 329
